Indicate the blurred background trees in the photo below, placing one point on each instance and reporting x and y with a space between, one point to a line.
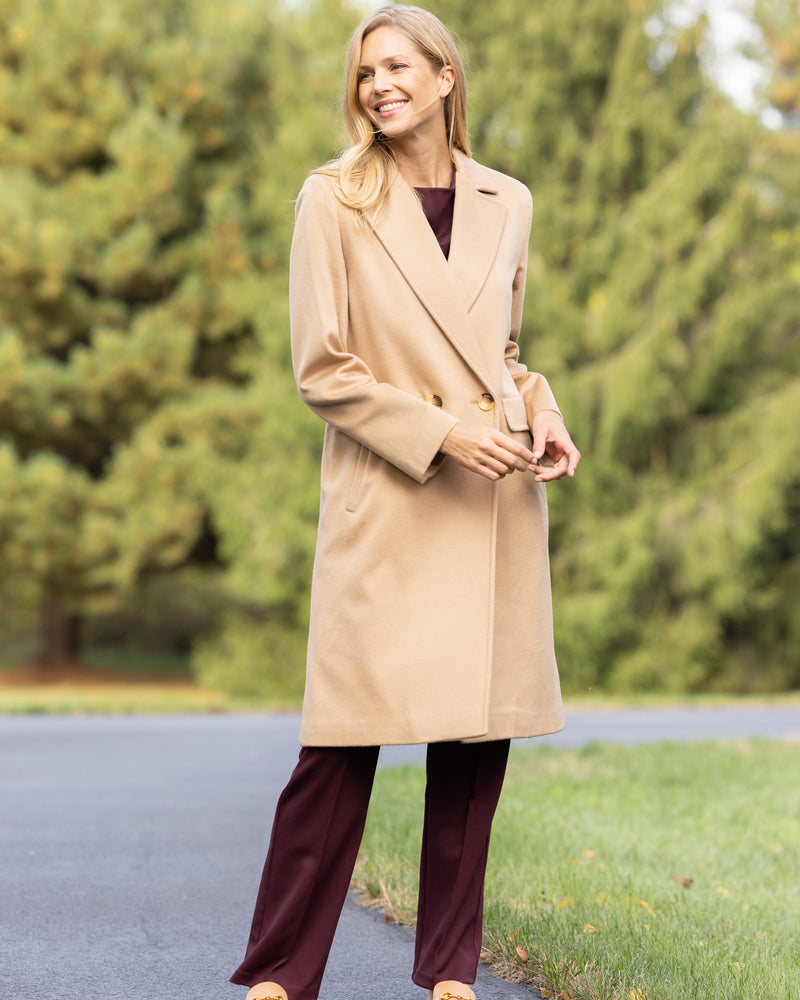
148 156
158 476
664 303
780 23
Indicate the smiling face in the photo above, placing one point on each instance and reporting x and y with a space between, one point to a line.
398 89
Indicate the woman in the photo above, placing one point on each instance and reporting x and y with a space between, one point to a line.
430 605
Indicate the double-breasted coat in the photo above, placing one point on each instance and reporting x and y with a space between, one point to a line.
430 602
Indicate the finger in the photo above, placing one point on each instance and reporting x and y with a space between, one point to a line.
525 454
487 473
507 454
486 462
543 436
512 451
547 474
557 470
503 461
517 462
502 465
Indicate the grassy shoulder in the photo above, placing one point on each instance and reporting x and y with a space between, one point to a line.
135 698
120 686
663 872
120 689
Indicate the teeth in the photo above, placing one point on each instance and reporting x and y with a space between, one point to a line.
392 106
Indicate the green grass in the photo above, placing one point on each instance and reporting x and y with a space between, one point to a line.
117 684
585 891
596 699
87 692
120 699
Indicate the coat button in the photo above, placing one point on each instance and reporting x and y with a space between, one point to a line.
486 402
436 400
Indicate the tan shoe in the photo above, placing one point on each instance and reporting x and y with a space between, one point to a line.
451 990
266 991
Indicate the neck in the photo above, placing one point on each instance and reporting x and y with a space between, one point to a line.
424 166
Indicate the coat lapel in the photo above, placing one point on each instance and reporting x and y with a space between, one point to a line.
478 222
447 288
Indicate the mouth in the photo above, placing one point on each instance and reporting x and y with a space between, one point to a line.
387 107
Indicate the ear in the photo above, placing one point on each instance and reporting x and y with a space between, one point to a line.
447 80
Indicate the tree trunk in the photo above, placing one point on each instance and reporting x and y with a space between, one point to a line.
59 629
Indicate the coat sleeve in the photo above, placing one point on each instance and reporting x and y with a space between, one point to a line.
336 384
532 386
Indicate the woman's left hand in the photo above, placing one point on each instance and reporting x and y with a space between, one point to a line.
550 437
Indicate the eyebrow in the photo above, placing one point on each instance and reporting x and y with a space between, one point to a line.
388 59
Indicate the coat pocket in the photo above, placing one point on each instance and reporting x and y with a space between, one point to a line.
516 414
354 493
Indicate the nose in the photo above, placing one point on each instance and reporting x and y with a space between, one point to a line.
380 81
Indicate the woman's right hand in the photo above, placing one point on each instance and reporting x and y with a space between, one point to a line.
486 451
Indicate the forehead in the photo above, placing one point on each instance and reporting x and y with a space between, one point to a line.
385 42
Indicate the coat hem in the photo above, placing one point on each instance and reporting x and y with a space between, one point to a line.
503 729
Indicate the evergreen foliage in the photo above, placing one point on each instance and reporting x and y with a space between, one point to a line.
126 231
780 23
664 302
265 507
149 424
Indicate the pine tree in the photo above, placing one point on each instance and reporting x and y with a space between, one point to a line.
266 506
126 232
780 51
149 157
663 302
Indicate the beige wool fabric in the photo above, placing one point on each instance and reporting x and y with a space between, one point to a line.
430 606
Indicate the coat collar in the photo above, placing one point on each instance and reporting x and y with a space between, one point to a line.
448 288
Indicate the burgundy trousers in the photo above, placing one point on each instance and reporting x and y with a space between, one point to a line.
319 822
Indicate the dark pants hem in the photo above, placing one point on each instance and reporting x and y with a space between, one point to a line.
316 834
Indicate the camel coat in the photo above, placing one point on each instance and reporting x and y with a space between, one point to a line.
430 603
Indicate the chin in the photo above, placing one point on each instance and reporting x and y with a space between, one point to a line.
393 131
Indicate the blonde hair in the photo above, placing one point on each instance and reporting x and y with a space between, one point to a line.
364 173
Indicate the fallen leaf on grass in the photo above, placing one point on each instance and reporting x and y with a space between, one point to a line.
588 929
524 956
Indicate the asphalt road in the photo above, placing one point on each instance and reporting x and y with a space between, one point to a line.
130 850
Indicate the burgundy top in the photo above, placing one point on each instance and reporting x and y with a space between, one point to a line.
437 204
